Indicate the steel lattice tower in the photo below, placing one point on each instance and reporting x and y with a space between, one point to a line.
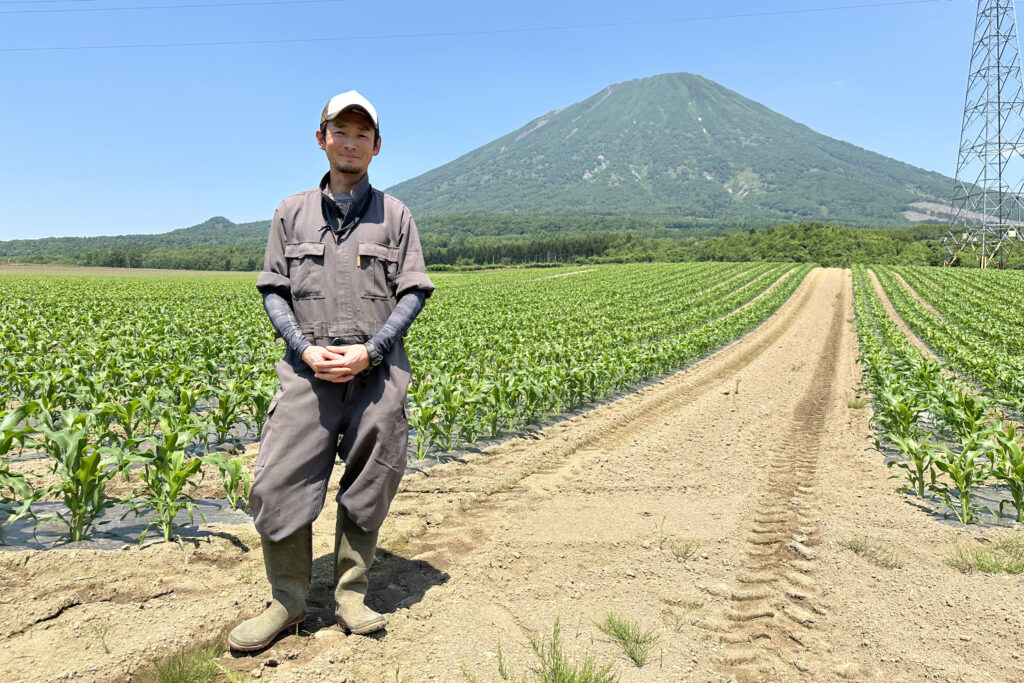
987 209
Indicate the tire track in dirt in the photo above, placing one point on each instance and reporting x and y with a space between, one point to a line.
776 602
572 445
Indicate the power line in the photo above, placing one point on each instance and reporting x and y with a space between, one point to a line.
451 34
39 2
153 7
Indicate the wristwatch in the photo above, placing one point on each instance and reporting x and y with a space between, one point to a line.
375 358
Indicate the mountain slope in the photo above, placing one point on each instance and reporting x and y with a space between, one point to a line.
673 145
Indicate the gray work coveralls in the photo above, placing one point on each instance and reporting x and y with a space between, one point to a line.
343 284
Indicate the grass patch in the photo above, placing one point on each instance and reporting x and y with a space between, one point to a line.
875 553
856 403
1004 555
196 664
684 552
797 367
631 637
553 665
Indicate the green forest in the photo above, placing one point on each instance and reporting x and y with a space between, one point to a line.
488 241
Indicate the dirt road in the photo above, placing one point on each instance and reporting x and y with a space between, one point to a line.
709 507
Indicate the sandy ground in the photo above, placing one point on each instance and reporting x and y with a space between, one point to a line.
752 458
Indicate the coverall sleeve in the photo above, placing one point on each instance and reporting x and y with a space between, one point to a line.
412 271
275 265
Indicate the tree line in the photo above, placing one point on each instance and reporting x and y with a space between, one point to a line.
827 245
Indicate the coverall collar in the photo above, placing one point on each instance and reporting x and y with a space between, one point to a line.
358 190
333 215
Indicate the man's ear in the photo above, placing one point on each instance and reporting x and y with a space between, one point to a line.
376 147
321 141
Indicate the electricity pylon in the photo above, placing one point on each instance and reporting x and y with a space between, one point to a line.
987 209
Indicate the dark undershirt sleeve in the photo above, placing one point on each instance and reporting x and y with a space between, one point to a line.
279 310
408 307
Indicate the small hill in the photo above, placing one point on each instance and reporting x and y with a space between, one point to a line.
214 244
674 145
216 231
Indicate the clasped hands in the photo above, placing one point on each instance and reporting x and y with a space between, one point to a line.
337 364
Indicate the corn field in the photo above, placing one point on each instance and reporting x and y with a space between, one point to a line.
148 379
952 421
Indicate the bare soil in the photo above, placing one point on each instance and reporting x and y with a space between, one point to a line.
752 455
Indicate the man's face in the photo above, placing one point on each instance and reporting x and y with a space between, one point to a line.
350 142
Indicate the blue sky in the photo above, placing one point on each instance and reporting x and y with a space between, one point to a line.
114 140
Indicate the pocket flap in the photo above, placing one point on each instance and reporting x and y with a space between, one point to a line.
297 249
378 250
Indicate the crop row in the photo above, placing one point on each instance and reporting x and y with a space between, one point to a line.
978 335
545 346
148 379
949 439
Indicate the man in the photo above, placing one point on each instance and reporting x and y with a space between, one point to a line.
343 278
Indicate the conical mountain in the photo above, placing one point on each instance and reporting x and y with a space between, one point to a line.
674 145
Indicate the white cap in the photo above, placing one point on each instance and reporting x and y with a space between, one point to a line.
349 100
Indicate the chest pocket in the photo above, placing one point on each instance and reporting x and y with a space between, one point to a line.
306 269
378 266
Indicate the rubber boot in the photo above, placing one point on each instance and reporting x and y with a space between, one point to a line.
353 556
289 563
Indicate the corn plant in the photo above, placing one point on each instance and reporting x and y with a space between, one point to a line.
897 415
965 470
1007 460
13 428
919 467
450 407
499 407
227 401
965 413
181 401
233 477
472 424
164 476
16 495
422 416
83 471
132 417
260 398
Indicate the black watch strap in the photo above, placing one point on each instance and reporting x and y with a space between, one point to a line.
375 358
